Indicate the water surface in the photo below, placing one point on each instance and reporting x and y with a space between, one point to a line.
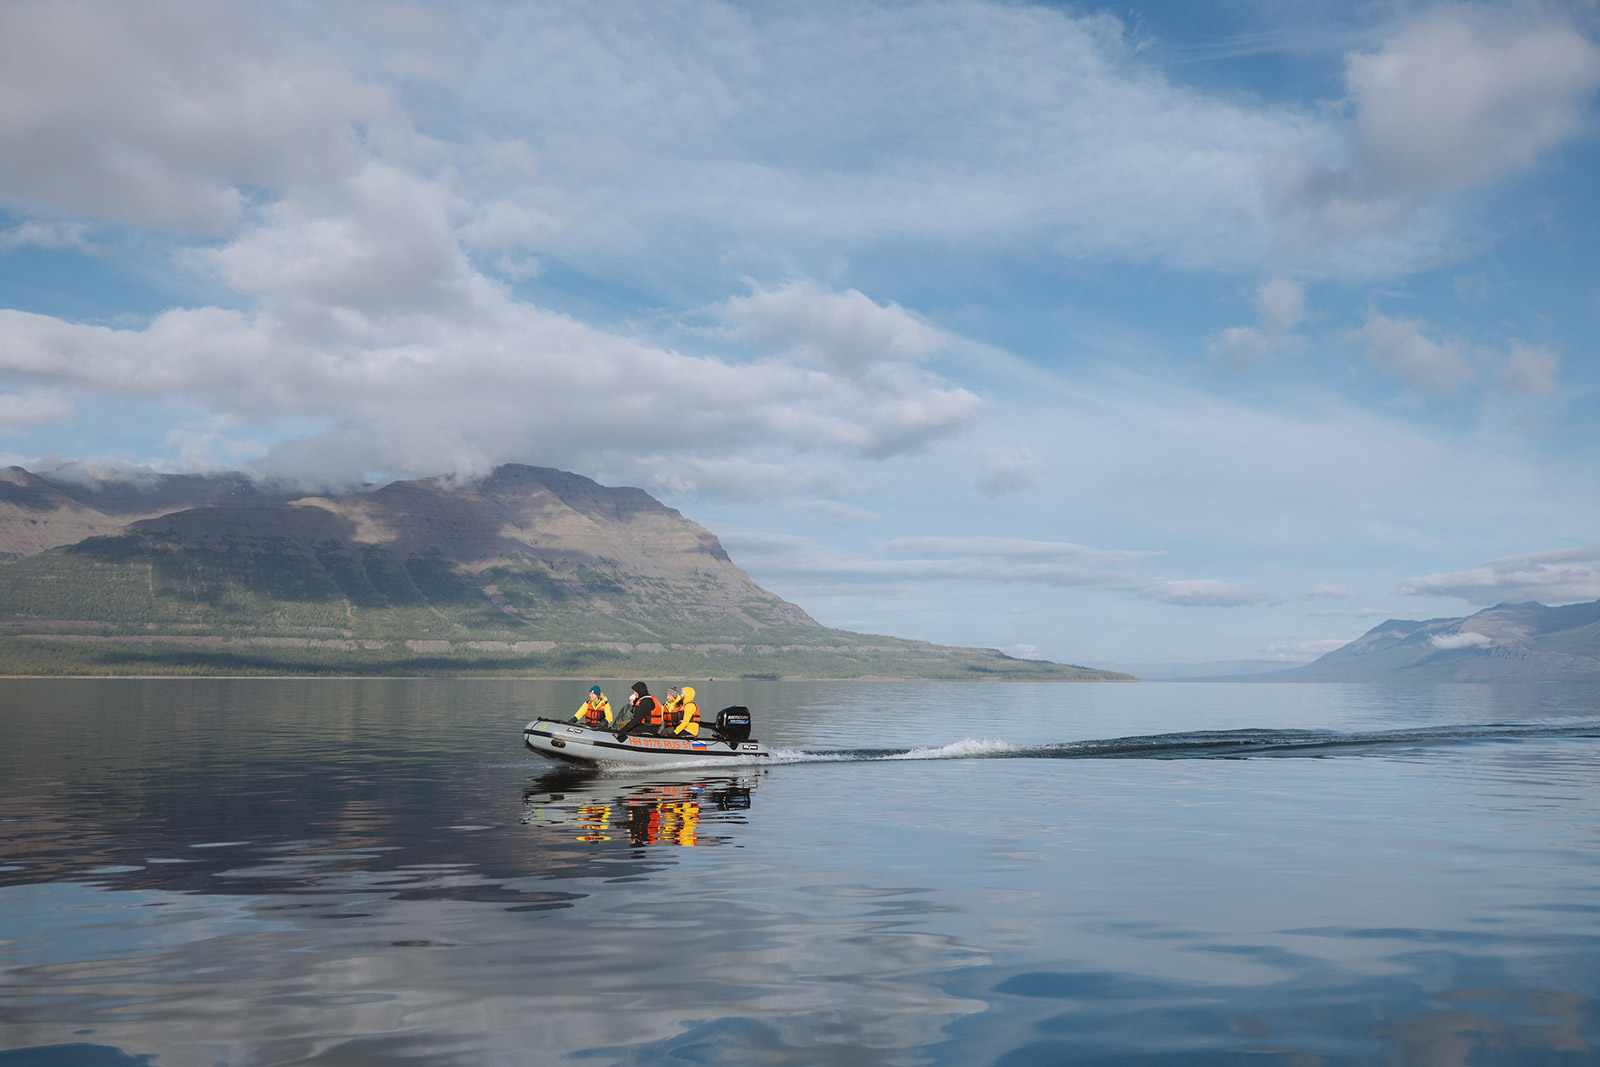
296 871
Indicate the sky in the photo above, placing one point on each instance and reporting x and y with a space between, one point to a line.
1107 334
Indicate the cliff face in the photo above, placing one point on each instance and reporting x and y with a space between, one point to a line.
1507 641
529 569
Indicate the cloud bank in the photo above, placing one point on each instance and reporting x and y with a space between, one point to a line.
1563 576
805 563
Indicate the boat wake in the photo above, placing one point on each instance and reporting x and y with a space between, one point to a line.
1206 744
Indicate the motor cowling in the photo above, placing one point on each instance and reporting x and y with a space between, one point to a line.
733 723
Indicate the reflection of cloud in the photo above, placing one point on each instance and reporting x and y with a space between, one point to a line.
392 983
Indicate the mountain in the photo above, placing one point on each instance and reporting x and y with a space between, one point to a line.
1195 672
39 512
1505 642
530 570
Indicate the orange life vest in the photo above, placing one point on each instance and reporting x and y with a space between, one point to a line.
594 713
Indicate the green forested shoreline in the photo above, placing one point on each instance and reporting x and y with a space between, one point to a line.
144 604
65 655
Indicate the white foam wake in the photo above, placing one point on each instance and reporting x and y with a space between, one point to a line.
966 748
963 749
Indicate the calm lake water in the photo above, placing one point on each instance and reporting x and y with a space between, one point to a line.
202 872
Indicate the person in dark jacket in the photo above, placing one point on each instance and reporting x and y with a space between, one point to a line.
644 712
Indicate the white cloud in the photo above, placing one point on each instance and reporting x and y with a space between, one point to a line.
459 388
1008 470
793 483
646 140
168 113
36 409
1398 348
1356 613
822 129
44 234
1244 346
1465 94
1280 305
844 332
1199 593
1530 369
803 563
380 241
1463 639
1564 576
1012 549
1304 650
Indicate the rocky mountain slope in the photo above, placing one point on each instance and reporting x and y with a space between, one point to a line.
1507 641
530 570
39 512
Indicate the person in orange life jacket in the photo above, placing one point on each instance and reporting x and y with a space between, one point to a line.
683 715
595 712
670 708
644 712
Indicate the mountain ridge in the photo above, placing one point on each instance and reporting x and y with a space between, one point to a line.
526 570
1522 641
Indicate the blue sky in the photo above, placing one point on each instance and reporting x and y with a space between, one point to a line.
1110 334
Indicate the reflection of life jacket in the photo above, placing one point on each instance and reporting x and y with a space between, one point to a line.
594 820
596 713
688 821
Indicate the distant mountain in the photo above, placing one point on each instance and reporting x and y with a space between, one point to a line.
1507 641
530 570
1191 672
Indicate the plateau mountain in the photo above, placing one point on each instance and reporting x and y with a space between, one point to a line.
529 570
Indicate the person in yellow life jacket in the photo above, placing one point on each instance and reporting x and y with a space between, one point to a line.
595 712
687 720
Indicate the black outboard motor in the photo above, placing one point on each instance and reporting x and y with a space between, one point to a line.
733 724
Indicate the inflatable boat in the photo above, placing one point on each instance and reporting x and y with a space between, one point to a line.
727 739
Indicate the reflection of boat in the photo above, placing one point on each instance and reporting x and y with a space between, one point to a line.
726 740
656 813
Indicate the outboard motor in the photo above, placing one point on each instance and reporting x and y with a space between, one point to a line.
733 724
